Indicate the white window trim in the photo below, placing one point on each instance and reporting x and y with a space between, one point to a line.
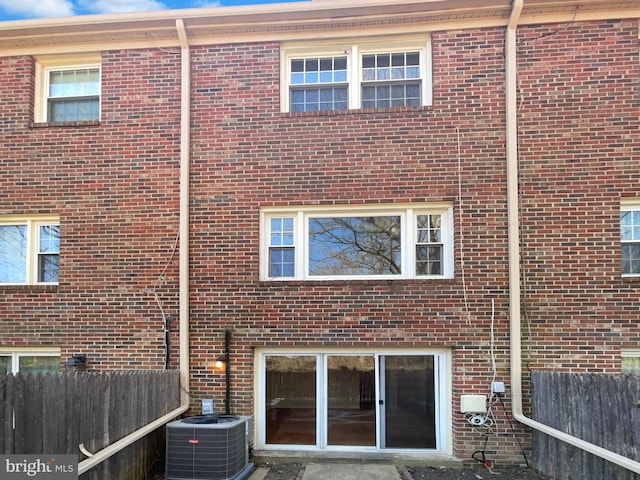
47 64
407 214
354 53
32 224
629 205
16 353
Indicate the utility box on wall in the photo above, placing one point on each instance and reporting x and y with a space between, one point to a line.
473 403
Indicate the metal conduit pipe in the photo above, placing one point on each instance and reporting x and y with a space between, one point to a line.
185 145
514 257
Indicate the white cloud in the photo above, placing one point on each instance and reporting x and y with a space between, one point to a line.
205 3
38 8
119 6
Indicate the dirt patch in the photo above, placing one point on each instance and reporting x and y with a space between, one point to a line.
284 471
480 473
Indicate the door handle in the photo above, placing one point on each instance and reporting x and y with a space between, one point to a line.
380 402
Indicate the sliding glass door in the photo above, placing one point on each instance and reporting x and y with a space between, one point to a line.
407 401
350 400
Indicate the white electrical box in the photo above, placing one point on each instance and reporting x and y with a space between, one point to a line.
497 387
473 403
207 406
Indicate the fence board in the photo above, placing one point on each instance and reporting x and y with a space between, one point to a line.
56 413
599 409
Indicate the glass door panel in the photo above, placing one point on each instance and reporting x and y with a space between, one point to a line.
291 399
351 414
408 401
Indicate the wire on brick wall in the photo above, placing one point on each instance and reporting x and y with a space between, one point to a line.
153 291
461 232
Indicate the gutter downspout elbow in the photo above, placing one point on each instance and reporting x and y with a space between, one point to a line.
514 258
185 147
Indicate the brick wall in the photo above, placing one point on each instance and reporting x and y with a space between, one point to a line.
115 187
579 155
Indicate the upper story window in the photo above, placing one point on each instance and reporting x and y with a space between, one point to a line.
68 90
29 250
392 242
630 237
341 77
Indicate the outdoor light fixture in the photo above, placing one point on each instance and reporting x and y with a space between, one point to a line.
77 363
223 362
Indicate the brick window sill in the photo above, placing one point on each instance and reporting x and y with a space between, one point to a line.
80 124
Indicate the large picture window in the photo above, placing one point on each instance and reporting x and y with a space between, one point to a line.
390 242
341 77
29 250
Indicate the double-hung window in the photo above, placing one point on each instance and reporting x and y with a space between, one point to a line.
29 250
391 242
630 238
341 77
68 90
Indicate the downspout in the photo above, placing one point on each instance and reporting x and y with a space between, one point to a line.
514 258
185 154
185 146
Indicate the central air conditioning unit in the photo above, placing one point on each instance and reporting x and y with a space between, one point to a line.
208 447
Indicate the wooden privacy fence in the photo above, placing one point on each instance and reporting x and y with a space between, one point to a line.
600 409
55 413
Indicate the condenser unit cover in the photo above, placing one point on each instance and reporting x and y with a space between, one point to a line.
208 447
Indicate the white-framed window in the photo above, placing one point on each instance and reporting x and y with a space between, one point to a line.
352 76
68 89
630 361
630 237
29 360
29 250
357 242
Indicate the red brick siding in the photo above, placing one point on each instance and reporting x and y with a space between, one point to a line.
115 188
579 154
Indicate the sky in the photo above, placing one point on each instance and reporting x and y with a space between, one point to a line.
27 9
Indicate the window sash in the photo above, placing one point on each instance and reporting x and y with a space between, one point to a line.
73 93
391 243
630 240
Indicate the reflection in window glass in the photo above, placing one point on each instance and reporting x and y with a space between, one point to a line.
38 364
49 253
355 245
74 95
630 241
13 253
631 363
5 365
290 400
429 245
281 247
